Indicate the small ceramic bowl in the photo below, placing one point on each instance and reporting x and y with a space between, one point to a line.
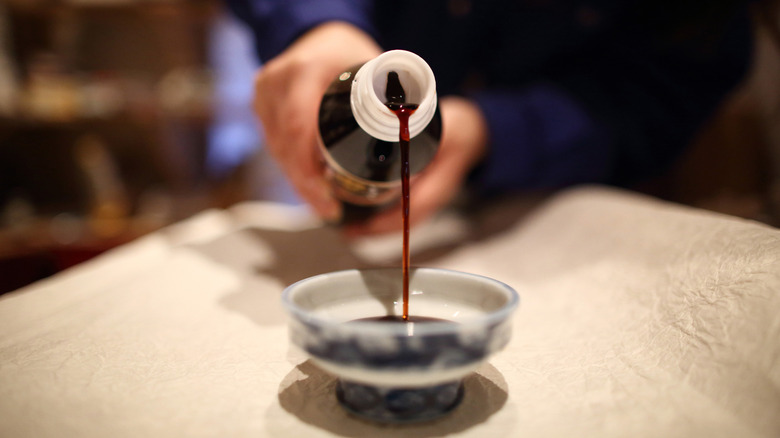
399 371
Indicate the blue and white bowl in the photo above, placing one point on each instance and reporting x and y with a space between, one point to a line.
399 372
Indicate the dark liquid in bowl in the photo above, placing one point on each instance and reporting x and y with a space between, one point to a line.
396 319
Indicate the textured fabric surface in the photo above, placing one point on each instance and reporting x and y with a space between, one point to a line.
637 318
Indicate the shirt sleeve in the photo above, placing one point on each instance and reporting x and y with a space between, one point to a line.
618 112
277 23
540 138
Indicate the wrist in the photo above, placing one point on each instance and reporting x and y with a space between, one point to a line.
343 38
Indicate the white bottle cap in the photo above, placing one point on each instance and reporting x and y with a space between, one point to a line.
368 94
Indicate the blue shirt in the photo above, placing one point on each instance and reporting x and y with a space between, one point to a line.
601 91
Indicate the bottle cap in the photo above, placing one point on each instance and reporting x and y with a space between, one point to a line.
368 94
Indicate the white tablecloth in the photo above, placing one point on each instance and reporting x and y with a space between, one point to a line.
638 318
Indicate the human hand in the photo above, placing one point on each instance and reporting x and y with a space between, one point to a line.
463 144
288 90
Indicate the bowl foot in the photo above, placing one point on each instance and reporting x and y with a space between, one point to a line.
399 405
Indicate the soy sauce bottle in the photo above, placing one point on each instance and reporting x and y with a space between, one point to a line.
359 134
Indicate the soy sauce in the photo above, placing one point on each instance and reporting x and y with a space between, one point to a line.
395 319
396 101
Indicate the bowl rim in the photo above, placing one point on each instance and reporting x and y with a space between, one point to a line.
429 328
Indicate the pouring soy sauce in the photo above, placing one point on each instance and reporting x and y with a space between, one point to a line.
396 101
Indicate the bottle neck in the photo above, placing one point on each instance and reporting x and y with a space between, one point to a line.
368 94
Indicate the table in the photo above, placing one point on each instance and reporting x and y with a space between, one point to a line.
637 318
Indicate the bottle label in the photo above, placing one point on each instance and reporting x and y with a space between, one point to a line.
349 188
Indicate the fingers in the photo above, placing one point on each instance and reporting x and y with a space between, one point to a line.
288 90
291 137
287 96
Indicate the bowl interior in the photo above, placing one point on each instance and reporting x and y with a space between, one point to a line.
342 296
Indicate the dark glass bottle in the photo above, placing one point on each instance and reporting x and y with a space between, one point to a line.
359 133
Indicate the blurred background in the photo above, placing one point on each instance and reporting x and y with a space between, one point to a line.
118 117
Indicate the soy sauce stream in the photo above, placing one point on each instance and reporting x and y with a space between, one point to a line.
396 102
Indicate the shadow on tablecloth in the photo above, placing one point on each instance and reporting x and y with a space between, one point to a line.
309 394
267 260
